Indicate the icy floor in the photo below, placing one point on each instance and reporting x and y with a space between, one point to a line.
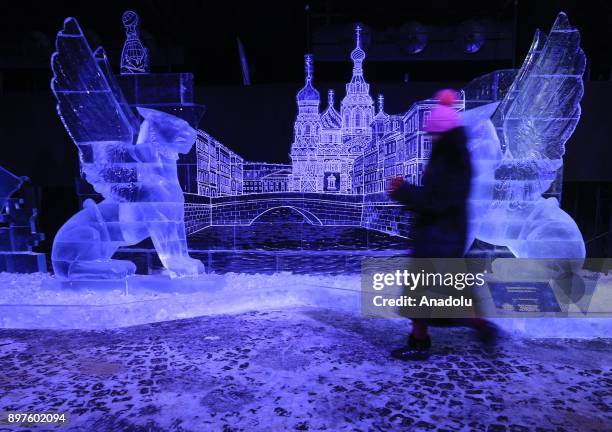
301 369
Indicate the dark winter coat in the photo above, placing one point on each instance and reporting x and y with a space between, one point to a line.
440 204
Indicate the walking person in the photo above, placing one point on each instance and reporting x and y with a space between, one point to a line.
440 205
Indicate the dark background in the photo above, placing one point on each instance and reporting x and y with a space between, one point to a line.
256 120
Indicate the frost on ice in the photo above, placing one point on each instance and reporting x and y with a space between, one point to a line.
132 164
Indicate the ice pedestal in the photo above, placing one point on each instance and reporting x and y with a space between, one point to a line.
45 302
35 301
18 230
22 262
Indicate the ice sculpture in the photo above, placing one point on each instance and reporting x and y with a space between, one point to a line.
134 56
132 164
515 166
9 184
326 145
18 230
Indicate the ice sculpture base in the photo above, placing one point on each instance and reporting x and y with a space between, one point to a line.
44 302
35 301
23 262
137 285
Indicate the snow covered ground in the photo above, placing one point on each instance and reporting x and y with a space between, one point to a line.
301 369
39 301
282 352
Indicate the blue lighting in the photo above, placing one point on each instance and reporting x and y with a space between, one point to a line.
355 153
340 162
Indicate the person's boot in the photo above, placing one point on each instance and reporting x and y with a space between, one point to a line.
488 333
417 349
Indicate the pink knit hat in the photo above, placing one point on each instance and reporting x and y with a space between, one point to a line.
443 117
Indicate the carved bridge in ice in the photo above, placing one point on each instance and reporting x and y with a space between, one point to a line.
316 208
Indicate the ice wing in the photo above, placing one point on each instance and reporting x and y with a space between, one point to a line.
542 107
88 100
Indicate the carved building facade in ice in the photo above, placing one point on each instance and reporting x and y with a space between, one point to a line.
355 152
326 144
219 169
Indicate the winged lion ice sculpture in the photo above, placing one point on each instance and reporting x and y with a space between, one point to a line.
517 147
131 163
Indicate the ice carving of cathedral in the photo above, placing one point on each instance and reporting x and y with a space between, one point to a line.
307 135
326 145
331 151
357 109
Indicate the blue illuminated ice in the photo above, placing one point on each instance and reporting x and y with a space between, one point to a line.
9 184
132 164
18 228
326 145
517 149
134 56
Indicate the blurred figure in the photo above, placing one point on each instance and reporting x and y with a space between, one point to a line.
440 205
